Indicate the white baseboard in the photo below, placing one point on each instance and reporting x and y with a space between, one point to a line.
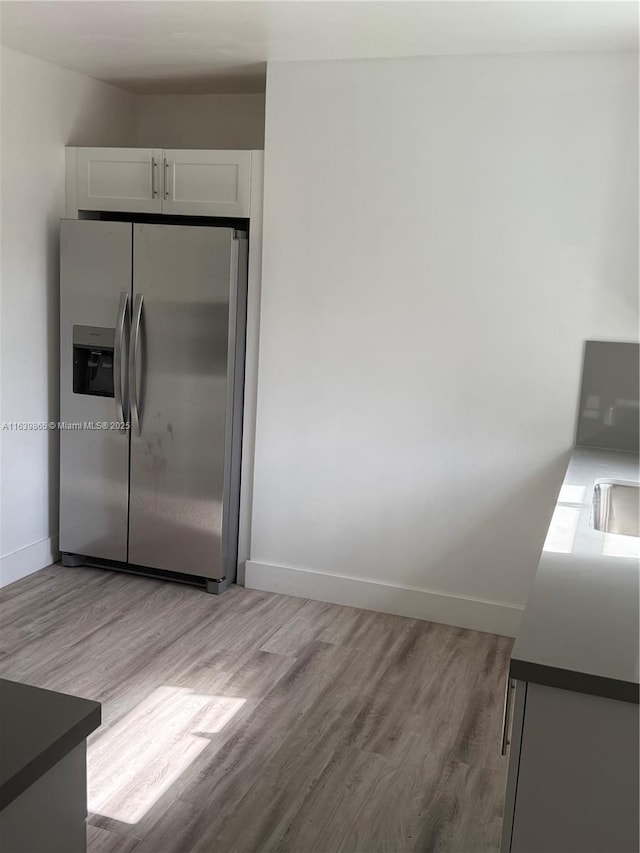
473 613
28 560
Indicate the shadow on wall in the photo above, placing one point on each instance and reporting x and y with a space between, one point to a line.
483 529
53 367
88 115
620 225
499 538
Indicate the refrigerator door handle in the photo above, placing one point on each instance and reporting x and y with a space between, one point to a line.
118 347
133 364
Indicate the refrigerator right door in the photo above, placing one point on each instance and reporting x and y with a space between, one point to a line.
185 391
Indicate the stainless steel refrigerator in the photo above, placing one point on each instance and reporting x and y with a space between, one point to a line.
152 335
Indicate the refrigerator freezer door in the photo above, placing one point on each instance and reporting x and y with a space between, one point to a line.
95 288
185 285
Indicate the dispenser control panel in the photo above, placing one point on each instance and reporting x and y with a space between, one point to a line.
93 360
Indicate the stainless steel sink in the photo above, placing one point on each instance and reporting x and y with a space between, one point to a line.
616 507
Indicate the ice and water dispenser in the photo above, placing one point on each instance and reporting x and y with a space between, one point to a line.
93 361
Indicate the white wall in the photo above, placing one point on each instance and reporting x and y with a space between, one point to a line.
43 108
200 121
440 237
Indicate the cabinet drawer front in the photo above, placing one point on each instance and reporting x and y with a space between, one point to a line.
126 179
207 183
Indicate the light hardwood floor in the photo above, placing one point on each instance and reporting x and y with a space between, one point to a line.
258 722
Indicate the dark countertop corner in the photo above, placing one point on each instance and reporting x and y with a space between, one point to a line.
37 729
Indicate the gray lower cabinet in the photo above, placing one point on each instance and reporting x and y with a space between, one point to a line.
49 817
43 769
572 783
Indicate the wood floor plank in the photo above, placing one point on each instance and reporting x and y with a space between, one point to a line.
259 723
305 627
29 612
101 841
337 810
462 813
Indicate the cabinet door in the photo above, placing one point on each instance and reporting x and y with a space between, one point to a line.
207 183
514 705
577 789
127 179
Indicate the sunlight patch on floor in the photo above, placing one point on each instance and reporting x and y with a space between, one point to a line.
138 759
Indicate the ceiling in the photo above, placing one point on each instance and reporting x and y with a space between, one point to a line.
176 46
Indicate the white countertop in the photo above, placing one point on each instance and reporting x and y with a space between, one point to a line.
580 628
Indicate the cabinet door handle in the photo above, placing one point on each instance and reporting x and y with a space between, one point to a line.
166 178
154 185
507 719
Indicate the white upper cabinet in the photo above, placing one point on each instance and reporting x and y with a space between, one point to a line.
152 180
126 179
207 183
